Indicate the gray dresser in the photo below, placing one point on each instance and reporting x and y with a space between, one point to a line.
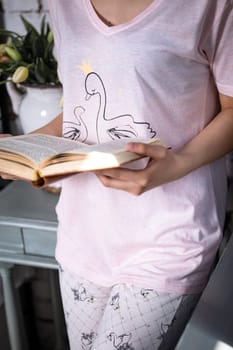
28 227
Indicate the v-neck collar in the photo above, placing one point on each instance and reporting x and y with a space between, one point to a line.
108 30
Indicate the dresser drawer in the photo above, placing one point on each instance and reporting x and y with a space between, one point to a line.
39 242
11 239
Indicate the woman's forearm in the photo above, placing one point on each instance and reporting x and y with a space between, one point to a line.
213 142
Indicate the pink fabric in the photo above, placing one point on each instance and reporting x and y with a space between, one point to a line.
156 76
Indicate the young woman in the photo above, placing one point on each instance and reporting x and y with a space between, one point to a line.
132 267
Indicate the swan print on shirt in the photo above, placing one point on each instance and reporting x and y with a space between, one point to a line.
77 129
81 294
121 342
87 340
112 127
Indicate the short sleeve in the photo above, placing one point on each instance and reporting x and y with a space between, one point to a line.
222 64
54 22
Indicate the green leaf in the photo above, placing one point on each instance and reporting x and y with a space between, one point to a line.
29 39
43 26
5 32
48 52
28 26
48 29
41 71
37 48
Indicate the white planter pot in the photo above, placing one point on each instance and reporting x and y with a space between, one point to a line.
35 106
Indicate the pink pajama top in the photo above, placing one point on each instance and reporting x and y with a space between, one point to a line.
157 75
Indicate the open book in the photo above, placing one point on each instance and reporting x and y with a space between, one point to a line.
42 159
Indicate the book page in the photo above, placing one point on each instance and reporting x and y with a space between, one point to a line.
36 147
111 146
82 151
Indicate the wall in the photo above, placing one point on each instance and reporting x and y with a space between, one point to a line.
33 10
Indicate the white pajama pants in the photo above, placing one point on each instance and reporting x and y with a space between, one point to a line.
122 317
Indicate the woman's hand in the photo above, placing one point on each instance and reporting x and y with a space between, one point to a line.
164 166
212 143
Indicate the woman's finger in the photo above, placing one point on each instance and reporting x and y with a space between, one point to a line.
117 184
152 151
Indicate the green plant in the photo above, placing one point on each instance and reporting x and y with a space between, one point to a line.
28 58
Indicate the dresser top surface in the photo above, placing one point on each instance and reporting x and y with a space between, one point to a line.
20 202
